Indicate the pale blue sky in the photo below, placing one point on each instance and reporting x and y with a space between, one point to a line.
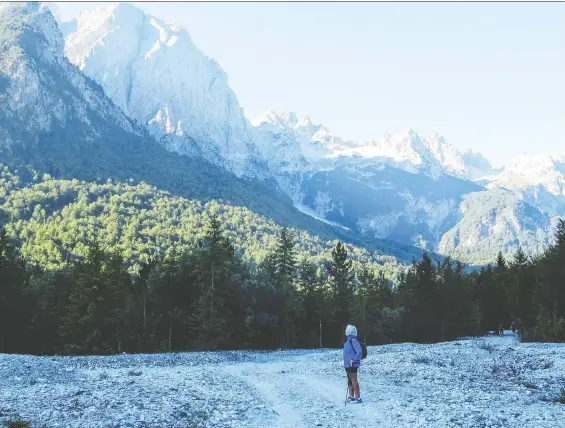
486 76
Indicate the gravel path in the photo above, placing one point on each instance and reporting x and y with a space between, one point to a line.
480 382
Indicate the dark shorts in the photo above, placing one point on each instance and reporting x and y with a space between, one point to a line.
351 369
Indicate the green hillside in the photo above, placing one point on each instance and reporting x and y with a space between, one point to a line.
57 220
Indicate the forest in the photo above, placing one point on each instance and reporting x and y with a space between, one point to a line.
206 296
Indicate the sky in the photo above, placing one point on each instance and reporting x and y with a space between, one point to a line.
486 76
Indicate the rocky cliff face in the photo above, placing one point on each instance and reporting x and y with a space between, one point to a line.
40 89
156 74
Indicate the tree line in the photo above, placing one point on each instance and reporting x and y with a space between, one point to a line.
206 296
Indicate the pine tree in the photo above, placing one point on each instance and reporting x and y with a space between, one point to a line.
311 288
374 297
52 291
341 274
94 309
15 305
501 285
550 320
455 301
522 290
138 306
215 308
284 259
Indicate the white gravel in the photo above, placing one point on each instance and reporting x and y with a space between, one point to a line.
482 382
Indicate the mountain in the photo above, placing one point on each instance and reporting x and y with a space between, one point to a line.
156 75
537 179
489 221
430 155
57 120
477 165
61 124
157 110
405 187
416 189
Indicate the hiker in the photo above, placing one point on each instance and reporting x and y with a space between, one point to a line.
513 327
501 330
352 354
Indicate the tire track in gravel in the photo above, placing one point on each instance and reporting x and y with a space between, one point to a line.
296 398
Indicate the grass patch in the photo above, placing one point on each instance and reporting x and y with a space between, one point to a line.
561 397
530 385
486 347
421 360
19 423
505 369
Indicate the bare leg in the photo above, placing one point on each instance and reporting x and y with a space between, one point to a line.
350 385
355 384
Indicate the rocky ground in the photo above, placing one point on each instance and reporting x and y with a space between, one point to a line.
480 382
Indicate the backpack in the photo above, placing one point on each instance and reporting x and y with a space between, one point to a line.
363 348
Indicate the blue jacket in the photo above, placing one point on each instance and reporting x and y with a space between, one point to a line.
352 351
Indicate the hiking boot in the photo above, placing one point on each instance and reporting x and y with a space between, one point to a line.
351 399
359 400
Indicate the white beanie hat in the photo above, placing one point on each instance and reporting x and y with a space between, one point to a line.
351 330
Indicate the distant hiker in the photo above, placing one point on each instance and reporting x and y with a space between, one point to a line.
352 355
501 330
513 326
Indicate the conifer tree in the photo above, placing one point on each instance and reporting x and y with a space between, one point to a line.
341 273
311 288
550 321
217 263
284 259
15 306
522 289
94 313
373 297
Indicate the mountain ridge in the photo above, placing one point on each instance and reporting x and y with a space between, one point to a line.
77 137
406 188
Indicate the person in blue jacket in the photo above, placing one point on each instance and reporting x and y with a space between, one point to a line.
351 361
